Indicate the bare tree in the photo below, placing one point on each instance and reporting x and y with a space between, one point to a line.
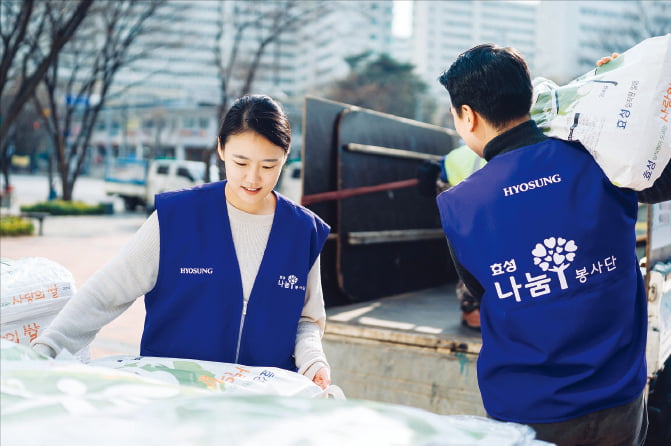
84 72
243 39
33 33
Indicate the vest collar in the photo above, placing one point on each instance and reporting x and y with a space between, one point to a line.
523 135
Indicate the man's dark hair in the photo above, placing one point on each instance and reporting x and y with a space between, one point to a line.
494 81
260 114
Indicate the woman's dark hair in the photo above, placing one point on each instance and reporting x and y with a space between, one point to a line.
493 80
260 114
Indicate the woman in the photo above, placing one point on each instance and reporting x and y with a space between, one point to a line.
230 270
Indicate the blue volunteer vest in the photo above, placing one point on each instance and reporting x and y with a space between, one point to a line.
195 309
564 311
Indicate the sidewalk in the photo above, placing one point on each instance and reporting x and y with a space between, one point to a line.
83 244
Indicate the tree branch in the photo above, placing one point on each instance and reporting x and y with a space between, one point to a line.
28 85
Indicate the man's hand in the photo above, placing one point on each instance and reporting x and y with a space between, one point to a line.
322 378
606 59
427 174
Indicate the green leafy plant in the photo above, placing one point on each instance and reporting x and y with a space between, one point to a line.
62 207
13 226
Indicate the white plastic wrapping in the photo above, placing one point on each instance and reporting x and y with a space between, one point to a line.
46 400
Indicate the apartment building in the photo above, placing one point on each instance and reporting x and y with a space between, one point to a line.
176 108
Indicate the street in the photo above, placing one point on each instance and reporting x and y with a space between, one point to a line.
82 244
29 189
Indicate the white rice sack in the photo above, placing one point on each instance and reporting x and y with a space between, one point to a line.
216 376
620 112
22 323
32 291
32 281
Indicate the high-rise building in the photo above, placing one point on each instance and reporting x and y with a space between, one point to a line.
183 73
350 28
177 56
559 39
299 56
573 35
444 29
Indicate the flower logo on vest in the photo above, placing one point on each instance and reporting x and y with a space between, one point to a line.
555 254
290 282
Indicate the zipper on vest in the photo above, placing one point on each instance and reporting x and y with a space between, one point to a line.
242 323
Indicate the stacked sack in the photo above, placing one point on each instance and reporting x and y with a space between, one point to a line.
32 292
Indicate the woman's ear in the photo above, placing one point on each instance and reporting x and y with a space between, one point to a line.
220 149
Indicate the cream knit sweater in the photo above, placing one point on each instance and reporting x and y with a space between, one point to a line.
134 270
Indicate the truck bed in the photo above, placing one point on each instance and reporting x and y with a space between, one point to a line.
407 349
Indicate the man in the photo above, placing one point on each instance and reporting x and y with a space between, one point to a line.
548 244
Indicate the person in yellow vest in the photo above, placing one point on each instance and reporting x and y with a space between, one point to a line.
434 178
458 164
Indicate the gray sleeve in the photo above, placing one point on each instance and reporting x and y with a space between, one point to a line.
109 292
309 353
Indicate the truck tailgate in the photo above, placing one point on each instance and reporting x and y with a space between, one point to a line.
407 349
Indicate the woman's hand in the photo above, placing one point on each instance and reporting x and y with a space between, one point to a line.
322 378
606 59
